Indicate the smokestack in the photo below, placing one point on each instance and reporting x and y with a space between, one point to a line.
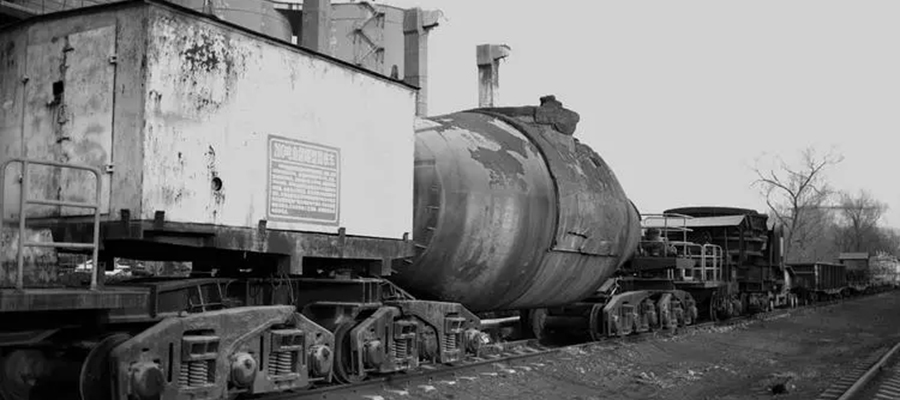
416 25
488 58
316 26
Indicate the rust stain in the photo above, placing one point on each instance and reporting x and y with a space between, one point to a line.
211 63
9 53
216 184
156 99
211 160
171 196
203 55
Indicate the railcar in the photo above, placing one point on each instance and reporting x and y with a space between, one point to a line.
703 262
148 131
819 280
867 273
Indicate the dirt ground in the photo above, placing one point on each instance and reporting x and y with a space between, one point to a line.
802 350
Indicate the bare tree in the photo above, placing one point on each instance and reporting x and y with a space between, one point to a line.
860 215
796 194
889 241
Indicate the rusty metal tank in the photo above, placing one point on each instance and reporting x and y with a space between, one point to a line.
512 212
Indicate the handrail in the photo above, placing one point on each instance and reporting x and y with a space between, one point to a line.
665 217
717 258
710 256
24 201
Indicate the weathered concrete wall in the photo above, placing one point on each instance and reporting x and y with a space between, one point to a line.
222 109
229 120
128 124
65 85
12 69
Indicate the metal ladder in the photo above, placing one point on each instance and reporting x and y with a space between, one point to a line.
25 201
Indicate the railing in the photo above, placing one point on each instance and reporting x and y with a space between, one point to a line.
25 201
666 227
709 258
711 254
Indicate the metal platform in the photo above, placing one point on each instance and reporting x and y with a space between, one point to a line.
61 299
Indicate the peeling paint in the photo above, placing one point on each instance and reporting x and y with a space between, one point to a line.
504 169
209 63
216 183
501 153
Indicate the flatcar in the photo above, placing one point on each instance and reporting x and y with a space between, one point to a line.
869 273
820 280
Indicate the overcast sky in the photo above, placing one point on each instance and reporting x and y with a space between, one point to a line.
680 97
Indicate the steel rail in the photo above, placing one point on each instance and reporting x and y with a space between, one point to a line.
438 370
857 388
382 382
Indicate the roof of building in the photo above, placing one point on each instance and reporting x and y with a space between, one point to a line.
853 256
703 222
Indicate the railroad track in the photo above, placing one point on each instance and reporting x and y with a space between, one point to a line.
875 377
518 351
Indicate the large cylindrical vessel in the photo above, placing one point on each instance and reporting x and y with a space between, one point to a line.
512 212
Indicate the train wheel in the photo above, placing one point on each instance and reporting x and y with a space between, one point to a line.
651 315
715 303
95 381
538 319
344 365
19 371
665 318
595 325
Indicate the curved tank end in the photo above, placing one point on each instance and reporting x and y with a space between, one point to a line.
633 235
